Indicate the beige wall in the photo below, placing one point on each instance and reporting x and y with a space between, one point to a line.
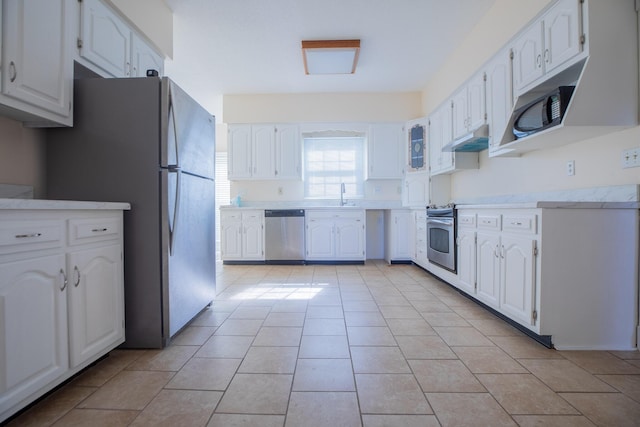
321 107
597 161
153 18
22 156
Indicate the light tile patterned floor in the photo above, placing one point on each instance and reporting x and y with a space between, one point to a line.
371 345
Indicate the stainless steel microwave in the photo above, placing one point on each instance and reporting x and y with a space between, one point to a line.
542 113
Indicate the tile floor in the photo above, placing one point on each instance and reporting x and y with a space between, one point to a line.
371 345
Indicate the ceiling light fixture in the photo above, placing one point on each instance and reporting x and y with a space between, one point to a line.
330 56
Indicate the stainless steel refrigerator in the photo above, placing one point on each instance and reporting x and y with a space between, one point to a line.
145 141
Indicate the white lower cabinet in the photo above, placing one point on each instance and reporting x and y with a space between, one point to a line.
242 235
558 272
420 237
335 235
399 241
61 298
95 309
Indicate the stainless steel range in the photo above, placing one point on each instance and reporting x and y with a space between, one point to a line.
441 239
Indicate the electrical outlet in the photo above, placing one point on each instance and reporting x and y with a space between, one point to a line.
571 168
631 158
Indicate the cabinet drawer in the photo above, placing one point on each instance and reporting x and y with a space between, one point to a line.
230 216
520 223
253 216
335 214
489 221
467 219
93 230
19 236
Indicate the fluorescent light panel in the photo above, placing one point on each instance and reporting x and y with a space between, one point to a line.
330 56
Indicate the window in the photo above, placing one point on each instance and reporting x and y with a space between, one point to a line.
330 161
223 192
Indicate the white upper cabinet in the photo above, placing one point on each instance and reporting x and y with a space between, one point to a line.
37 68
499 97
468 106
144 58
239 160
548 43
288 145
105 39
385 154
265 151
110 46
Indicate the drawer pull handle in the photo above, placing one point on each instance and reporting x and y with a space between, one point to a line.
99 230
64 280
27 236
516 223
77 272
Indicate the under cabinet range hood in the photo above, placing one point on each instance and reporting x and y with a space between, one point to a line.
472 142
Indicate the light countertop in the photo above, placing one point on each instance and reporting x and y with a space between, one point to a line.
40 204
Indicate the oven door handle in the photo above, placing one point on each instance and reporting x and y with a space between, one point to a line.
440 222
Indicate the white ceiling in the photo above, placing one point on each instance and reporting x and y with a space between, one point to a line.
253 46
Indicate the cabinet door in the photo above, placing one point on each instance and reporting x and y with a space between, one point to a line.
416 190
459 114
253 240
385 153
288 157
33 326
447 163
518 278
403 236
239 152
476 105
527 58
144 58
230 239
320 239
264 151
488 268
562 33
499 97
349 239
96 301
36 54
467 260
106 39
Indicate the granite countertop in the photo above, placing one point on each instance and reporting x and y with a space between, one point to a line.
40 204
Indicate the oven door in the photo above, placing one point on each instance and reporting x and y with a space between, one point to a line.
441 242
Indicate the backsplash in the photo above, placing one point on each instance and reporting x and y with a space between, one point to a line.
12 191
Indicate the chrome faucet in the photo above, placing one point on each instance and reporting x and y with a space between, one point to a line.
342 191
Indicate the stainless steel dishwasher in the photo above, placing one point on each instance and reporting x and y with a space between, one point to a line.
284 236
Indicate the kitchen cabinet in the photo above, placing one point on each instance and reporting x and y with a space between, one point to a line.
550 270
466 257
61 297
109 46
385 151
468 106
440 133
335 235
399 239
548 43
415 191
420 237
242 235
33 327
499 98
37 66
144 58
96 311
264 152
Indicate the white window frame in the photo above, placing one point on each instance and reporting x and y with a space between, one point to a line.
333 165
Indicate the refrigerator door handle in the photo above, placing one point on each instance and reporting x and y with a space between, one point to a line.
173 219
172 112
